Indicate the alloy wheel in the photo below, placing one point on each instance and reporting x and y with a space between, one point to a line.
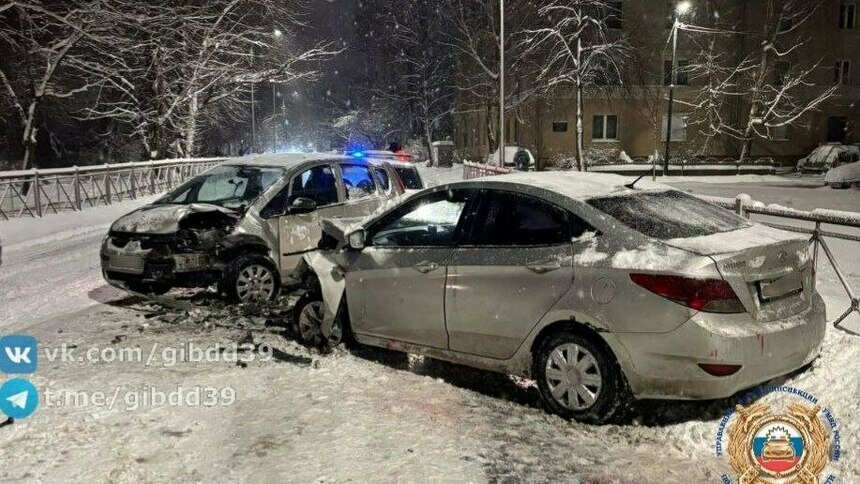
255 283
310 322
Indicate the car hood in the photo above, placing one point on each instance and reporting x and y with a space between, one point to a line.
163 219
743 239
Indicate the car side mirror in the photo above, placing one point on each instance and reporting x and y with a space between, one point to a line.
355 239
302 205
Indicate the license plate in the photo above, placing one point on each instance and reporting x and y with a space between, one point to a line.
127 263
783 287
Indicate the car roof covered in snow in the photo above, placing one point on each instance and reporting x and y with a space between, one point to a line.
570 184
286 160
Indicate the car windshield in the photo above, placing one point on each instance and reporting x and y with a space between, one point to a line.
227 186
410 177
668 215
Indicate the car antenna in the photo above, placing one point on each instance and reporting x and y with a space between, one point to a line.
630 185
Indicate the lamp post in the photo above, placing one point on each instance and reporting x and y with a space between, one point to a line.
277 34
501 83
681 9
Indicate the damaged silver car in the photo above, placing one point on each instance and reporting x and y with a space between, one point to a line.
597 291
244 224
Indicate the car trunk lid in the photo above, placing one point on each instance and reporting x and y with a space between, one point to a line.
769 269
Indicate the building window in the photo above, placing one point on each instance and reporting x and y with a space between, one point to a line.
842 72
848 15
679 127
681 77
559 127
779 133
615 16
605 127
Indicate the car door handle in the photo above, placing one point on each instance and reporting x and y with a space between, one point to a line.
426 267
543 268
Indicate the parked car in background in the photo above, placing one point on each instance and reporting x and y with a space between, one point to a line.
243 224
597 291
383 155
827 156
843 175
515 157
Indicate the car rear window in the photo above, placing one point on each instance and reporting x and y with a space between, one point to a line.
668 215
410 177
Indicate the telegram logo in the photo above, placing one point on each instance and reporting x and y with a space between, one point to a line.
18 355
18 398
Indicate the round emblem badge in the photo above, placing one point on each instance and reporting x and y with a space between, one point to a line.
792 441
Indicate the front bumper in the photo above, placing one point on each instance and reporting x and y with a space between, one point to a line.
665 365
123 266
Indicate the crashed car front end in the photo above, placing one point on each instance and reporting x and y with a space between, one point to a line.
167 246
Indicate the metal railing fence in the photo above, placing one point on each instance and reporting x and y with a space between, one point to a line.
34 193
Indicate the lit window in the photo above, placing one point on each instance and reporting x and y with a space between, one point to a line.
605 127
848 15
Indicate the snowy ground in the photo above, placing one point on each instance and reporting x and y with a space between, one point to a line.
366 417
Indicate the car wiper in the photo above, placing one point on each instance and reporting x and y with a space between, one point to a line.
631 185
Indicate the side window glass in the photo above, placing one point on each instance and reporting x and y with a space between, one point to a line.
317 184
429 222
382 177
510 219
358 182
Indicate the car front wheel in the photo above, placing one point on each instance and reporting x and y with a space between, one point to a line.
308 315
250 277
578 378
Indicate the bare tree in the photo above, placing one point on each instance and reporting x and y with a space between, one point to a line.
580 52
56 51
473 36
198 62
771 79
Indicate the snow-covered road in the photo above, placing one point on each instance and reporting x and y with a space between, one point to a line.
364 417
51 266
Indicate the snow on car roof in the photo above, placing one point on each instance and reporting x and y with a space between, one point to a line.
285 160
573 184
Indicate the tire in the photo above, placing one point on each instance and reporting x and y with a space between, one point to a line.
149 288
308 316
250 277
597 376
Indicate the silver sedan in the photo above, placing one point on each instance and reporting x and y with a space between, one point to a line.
599 292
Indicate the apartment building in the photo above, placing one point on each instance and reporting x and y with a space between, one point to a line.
632 117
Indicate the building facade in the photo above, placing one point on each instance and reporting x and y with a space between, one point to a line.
631 118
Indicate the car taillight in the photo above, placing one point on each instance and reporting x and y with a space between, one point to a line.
707 295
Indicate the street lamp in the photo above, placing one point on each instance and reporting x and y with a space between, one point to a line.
501 83
681 8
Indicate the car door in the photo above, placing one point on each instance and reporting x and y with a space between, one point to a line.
511 265
396 285
363 197
300 233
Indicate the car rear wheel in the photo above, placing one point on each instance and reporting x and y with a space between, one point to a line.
250 277
578 378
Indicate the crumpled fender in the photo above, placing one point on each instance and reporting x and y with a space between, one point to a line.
332 280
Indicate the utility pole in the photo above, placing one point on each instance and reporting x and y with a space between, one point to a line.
672 76
274 119
501 83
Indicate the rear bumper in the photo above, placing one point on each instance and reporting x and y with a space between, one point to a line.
665 365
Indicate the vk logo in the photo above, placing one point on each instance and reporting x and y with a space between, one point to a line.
18 398
18 355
